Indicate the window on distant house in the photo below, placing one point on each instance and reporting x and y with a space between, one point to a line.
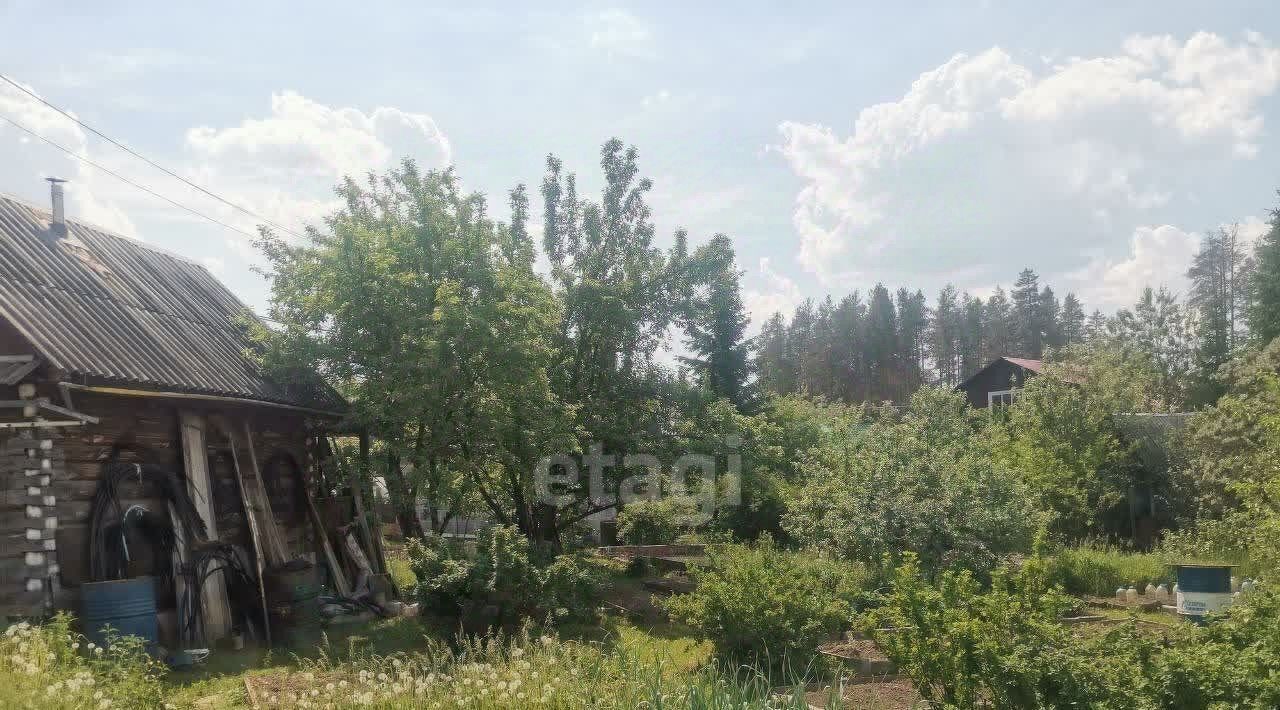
1001 398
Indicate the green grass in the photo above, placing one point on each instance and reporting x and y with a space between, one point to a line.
1100 570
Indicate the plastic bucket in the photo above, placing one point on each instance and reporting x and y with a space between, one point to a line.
1203 589
128 606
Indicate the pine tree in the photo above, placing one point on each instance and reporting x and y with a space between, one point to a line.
945 336
1048 315
1028 334
775 372
882 350
913 328
1219 293
973 337
1264 310
1073 325
848 323
717 324
998 326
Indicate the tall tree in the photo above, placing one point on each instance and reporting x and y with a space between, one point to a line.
716 323
999 325
1264 311
913 328
775 370
946 336
1028 335
1049 314
1073 321
1219 293
973 337
882 346
427 315
620 295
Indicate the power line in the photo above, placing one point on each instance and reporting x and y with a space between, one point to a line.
122 178
145 159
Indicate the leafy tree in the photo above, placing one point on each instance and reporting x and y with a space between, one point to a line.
620 294
427 315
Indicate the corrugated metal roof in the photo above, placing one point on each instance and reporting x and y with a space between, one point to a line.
111 309
1026 363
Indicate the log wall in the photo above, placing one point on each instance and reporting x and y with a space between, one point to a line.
131 429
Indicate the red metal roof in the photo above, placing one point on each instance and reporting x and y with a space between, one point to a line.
1026 363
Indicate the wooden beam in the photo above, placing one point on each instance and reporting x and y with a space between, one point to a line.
217 610
275 542
253 535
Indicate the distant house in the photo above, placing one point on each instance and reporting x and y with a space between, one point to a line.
113 350
998 383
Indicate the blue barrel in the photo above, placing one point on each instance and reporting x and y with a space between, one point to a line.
1203 589
128 606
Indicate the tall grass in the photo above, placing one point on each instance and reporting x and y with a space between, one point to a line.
49 667
1099 570
545 672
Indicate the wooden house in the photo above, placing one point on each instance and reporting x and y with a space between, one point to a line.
998 383
114 350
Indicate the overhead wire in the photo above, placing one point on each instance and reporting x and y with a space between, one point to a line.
122 178
147 160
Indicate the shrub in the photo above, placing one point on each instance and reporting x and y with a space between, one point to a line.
655 522
1006 649
504 581
918 481
757 601
1100 570
49 666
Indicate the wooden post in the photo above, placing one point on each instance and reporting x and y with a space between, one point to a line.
274 542
217 611
253 535
339 579
375 542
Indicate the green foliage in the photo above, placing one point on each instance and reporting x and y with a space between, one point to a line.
1264 310
1100 570
655 522
1004 648
427 315
716 324
920 481
49 667
505 580
756 602
965 649
1061 437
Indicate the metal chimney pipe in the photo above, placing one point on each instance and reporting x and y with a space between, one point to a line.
58 224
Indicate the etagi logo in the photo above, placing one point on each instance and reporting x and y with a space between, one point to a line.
693 477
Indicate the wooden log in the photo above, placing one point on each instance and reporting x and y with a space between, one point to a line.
214 604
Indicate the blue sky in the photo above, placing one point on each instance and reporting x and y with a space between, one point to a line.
839 145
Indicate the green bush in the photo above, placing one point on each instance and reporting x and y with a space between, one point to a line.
655 522
504 581
758 601
1100 570
1005 648
49 666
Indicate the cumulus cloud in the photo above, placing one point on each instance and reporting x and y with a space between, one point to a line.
985 160
775 293
1156 256
283 165
28 160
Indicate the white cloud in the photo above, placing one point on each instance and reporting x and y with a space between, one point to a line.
29 160
282 165
1157 256
987 161
619 33
776 294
